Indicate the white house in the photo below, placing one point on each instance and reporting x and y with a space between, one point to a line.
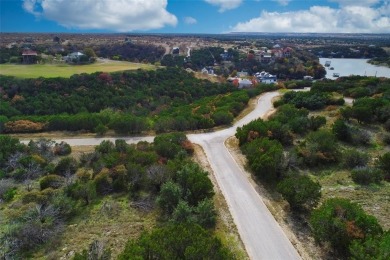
265 77
208 71
74 56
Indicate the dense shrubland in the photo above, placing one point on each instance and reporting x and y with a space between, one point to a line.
126 102
312 137
43 188
131 52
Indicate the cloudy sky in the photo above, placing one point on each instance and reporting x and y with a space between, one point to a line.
195 16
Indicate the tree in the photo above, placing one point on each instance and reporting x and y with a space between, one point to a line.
300 191
169 145
66 166
340 221
206 215
85 191
341 130
9 146
265 157
177 241
195 183
169 197
373 248
183 213
320 147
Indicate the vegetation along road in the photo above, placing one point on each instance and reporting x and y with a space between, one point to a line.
261 234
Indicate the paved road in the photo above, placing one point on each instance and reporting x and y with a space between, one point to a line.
262 236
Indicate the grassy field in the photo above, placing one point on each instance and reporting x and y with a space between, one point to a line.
65 70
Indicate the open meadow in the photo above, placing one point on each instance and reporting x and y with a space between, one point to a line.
65 70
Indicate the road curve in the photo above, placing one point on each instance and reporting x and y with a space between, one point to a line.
261 234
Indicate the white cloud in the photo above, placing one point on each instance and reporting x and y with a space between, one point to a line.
116 15
322 19
190 20
225 5
283 2
356 2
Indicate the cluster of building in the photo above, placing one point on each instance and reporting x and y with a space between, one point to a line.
259 77
266 55
30 57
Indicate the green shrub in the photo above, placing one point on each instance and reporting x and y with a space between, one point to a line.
353 158
340 222
341 130
66 166
384 164
374 247
366 175
9 194
319 148
265 158
183 241
300 191
51 181
62 149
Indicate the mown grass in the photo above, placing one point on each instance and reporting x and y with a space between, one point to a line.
65 70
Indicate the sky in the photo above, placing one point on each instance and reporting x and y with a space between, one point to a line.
195 16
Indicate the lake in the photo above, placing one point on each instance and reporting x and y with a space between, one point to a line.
346 67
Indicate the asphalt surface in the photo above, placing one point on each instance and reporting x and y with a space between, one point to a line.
261 234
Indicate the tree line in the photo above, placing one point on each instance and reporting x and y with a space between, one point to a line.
127 102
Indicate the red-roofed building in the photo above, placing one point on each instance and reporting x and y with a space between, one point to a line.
29 56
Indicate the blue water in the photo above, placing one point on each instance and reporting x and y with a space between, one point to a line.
347 67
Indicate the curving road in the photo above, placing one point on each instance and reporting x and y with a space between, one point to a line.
261 234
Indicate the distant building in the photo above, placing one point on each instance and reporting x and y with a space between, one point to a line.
287 52
29 56
241 83
225 55
74 57
265 58
175 50
242 74
208 71
245 83
265 77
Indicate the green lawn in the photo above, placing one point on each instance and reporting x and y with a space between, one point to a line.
65 70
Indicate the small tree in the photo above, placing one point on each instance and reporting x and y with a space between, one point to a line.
300 191
340 221
341 130
169 197
264 158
